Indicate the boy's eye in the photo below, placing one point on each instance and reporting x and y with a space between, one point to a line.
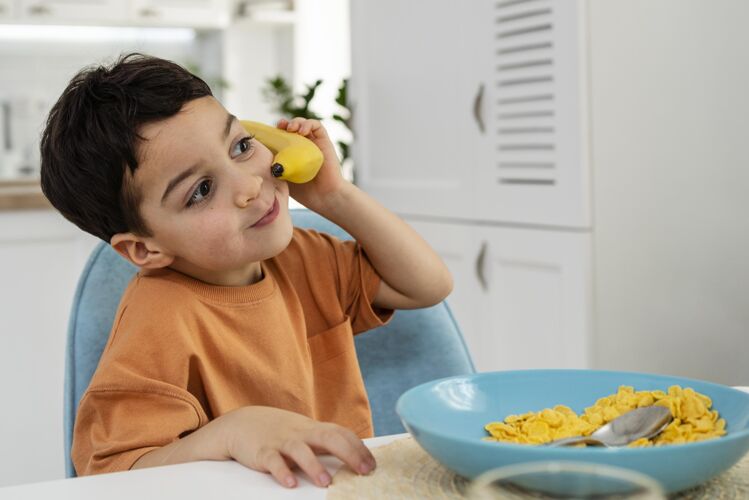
243 146
201 193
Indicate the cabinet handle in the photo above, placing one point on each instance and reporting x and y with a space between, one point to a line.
148 12
480 265
477 107
39 10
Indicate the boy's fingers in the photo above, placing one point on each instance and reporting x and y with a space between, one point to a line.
352 452
310 126
319 131
357 444
274 463
304 457
295 124
305 128
282 123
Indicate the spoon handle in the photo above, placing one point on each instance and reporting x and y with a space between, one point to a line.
576 440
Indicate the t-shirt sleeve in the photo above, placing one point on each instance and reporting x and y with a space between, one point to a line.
116 426
137 399
364 282
358 284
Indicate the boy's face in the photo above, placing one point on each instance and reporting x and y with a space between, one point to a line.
208 196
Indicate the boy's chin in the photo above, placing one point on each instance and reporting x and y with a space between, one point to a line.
281 235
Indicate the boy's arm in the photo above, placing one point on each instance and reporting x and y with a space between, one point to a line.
268 440
413 275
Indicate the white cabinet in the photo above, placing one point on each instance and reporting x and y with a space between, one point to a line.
178 13
193 13
489 100
514 81
474 130
535 298
7 9
63 11
529 67
41 258
414 71
521 296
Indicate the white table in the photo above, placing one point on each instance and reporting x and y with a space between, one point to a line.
196 480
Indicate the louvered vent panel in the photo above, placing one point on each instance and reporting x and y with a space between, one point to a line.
525 92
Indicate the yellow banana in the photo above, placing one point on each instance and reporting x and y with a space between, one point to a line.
297 158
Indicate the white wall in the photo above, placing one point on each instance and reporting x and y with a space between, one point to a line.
322 48
670 121
255 52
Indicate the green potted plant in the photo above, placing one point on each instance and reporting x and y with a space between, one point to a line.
286 103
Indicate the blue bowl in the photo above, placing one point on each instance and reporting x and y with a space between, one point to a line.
447 418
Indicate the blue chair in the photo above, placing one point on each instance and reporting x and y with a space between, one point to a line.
416 346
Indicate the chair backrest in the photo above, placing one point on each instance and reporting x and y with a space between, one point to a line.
415 347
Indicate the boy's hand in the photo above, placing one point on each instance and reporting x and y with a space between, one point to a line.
328 181
413 275
271 440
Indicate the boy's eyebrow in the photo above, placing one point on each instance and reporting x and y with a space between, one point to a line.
229 121
175 182
187 173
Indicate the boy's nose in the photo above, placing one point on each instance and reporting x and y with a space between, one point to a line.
248 190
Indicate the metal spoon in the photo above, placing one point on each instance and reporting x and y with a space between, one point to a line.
644 422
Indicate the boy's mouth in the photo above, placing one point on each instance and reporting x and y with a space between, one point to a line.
269 216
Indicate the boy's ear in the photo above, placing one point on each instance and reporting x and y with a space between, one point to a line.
141 251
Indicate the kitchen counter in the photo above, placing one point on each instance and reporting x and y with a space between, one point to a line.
22 194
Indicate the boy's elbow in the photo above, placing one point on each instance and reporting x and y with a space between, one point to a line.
441 288
429 292
447 285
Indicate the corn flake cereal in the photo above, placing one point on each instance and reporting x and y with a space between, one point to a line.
694 420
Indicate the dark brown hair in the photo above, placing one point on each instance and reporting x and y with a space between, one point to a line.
91 137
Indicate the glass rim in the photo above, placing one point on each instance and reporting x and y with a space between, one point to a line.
574 466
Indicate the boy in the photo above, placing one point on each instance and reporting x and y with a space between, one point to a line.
235 338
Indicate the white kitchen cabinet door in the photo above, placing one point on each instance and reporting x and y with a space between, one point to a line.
67 11
412 105
536 299
532 150
521 296
481 117
41 258
188 13
455 243
7 9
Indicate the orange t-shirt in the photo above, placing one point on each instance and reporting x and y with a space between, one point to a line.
183 352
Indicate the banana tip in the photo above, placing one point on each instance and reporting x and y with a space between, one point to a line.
276 169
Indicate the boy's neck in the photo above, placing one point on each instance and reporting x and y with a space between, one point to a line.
253 273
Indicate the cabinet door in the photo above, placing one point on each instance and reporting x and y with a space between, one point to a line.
41 258
190 13
65 11
535 299
456 245
529 57
6 10
412 105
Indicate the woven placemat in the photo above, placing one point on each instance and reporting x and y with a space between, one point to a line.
405 471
